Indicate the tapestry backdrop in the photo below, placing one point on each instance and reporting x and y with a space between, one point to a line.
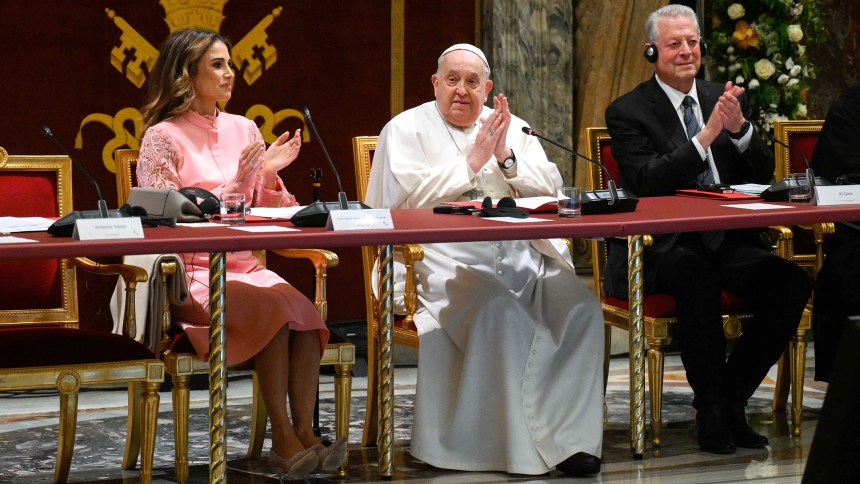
81 69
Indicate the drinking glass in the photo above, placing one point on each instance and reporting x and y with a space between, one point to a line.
233 208
570 202
799 190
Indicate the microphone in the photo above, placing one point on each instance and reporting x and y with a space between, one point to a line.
316 214
65 226
341 195
597 201
103 210
778 192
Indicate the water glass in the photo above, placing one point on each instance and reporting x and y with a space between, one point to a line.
799 190
233 208
570 202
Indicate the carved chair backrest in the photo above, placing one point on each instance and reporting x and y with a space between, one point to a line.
802 135
363 149
599 149
42 291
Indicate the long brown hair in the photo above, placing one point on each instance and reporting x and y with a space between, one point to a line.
170 89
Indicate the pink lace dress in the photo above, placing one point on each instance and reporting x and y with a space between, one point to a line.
194 150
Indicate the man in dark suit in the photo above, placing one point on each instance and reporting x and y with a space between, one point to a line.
674 132
837 287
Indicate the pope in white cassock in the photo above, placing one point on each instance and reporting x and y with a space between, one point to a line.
510 372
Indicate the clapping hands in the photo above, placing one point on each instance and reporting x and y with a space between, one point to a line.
491 138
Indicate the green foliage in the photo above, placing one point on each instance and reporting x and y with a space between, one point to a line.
763 49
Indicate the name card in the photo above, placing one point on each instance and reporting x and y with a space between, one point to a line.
373 219
837 195
108 228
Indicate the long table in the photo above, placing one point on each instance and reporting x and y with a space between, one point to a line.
653 215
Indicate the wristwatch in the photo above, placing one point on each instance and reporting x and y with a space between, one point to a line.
740 134
508 163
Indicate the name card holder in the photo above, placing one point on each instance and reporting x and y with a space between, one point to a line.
108 228
373 219
837 195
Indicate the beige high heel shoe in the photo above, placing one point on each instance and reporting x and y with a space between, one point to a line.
301 464
331 457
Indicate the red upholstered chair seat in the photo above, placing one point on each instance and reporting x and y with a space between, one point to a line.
33 347
663 305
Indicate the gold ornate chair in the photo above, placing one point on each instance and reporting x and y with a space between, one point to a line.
806 247
181 361
41 346
405 332
659 309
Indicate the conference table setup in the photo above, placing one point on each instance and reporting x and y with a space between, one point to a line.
653 215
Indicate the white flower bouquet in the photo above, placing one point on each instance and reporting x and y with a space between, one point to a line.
761 46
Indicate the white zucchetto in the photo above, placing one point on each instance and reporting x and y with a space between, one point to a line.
471 48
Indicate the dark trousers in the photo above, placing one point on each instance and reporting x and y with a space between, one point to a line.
776 291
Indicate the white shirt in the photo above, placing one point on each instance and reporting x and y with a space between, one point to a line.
676 97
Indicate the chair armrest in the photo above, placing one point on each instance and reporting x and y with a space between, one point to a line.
319 257
780 240
821 231
410 254
322 260
130 274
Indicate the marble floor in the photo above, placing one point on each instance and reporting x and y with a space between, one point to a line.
28 438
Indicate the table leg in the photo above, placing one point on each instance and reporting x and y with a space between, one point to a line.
217 369
636 281
385 371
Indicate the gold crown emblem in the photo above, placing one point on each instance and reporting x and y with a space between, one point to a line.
204 14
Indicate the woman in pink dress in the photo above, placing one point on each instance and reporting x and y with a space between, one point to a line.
188 141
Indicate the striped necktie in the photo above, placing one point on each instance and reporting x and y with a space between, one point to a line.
711 238
693 128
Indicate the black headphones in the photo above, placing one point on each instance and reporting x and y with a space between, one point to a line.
208 204
506 207
651 51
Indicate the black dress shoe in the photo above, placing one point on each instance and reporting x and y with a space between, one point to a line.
714 434
580 464
742 434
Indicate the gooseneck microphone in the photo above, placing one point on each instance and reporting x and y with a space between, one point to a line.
316 214
341 195
593 202
103 210
65 226
778 192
